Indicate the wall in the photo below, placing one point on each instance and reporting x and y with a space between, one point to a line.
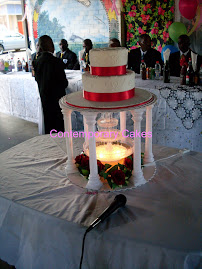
75 20
148 16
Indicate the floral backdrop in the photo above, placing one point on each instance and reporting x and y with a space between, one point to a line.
150 17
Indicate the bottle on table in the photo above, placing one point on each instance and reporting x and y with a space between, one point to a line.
87 68
183 75
143 69
196 78
82 66
6 65
147 73
152 73
166 73
19 65
30 65
23 65
11 65
200 76
190 74
157 70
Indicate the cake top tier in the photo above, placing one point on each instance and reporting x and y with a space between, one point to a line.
108 57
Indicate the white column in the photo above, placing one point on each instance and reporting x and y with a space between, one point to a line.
148 156
70 165
85 130
94 182
138 177
122 122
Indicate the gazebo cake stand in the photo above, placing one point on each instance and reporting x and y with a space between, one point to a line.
142 101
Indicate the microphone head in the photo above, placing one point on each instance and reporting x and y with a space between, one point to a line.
121 199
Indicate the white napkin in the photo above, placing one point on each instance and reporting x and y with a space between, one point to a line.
194 60
166 55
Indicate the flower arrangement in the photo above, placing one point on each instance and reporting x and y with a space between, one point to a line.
116 175
151 17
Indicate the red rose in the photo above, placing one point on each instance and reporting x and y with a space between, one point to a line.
128 163
85 162
79 158
100 166
118 177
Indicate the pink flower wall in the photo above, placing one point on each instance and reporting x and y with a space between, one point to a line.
150 17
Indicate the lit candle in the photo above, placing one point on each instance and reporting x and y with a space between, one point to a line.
109 153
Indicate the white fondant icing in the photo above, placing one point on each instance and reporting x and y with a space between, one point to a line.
109 84
107 57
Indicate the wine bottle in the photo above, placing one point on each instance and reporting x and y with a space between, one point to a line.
183 75
190 74
143 70
166 73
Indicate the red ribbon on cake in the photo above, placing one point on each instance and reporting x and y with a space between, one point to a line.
108 71
109 97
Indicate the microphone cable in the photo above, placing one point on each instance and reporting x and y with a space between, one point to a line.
82 252
119 200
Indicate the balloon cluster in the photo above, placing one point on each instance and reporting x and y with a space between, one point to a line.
188 9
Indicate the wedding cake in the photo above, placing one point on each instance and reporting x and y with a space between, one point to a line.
108 80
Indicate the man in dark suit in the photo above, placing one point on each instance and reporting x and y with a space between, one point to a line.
51 79
145 52
184 51
87 45
68 57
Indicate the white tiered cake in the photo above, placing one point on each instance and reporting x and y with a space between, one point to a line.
109 79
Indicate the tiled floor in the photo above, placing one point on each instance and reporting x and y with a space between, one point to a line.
14 131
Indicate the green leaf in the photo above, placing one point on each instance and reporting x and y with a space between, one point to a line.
107 166
84 172
114 186
121 166
130 157
105 175
102 173
115 167
109 182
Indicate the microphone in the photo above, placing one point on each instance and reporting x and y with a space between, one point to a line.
119 200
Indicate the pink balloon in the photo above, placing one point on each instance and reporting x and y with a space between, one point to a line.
188 8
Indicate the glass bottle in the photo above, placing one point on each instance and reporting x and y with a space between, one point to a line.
183 75
157 70
143 70
190 74
200 76
166 73
19 65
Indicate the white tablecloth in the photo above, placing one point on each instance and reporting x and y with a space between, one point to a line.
43 216
19 94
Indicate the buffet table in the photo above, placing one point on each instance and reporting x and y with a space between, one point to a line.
177 120
43 216
19 94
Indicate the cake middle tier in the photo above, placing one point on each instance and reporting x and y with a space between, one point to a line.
110 84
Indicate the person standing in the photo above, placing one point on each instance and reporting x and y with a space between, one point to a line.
87 45
51 80
68 57
184 52
145 52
